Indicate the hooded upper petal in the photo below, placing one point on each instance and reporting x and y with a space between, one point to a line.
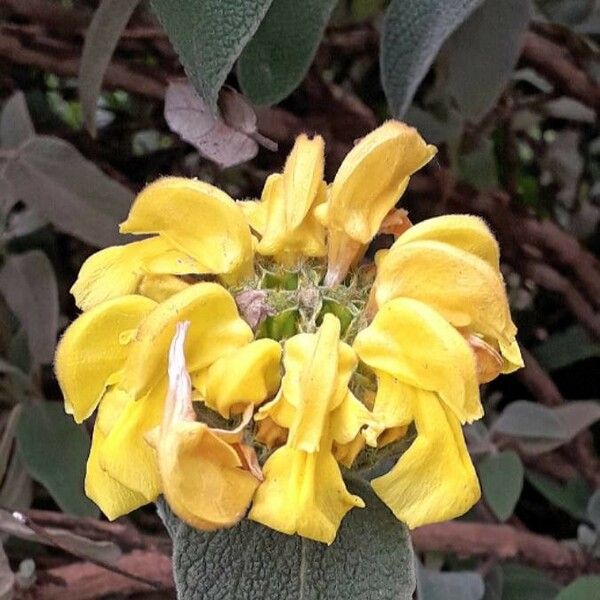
369 182
466 232
198 219
463 287
284 216
413 343
217 329
434 480
94 349
119 270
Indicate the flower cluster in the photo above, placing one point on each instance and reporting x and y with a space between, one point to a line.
243 351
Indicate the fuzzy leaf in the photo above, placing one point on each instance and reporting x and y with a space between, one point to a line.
501 478
413 32
482 53
28 284
371 558
101 40
51 176
208 36
55 449
276 59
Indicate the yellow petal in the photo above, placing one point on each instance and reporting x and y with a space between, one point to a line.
117 271
349 418
434 480
318 368
245 376
416 345
269 433
92 350
373 176
285 215
279 410
346 454
216 330
511 354
302 178
198 219
461 286
161 287
303 493
203 477
391 408
466 232
113 498
126 456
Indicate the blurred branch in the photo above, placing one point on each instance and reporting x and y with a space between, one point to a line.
502 542
555 62
86 581
118 75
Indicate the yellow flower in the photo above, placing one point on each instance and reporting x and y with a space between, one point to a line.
427 374
285 215
119 349
451 263
356 362
368 184
303 491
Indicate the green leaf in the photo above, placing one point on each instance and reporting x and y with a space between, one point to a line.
101 39
501 478
434 585
16 126
529 420
55 450
276 59
572 497
51 176
28 284
584 588
540 429
413 32
593 509
370 558
208 36
478 167
481 54
525 583
566 347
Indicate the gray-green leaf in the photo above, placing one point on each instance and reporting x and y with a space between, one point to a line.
501 478
16 126
413 32
434 585
208 36
370 558
584 588
100 42
28 284
572 497
276 59
55 450
520 583
71 192
481 54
